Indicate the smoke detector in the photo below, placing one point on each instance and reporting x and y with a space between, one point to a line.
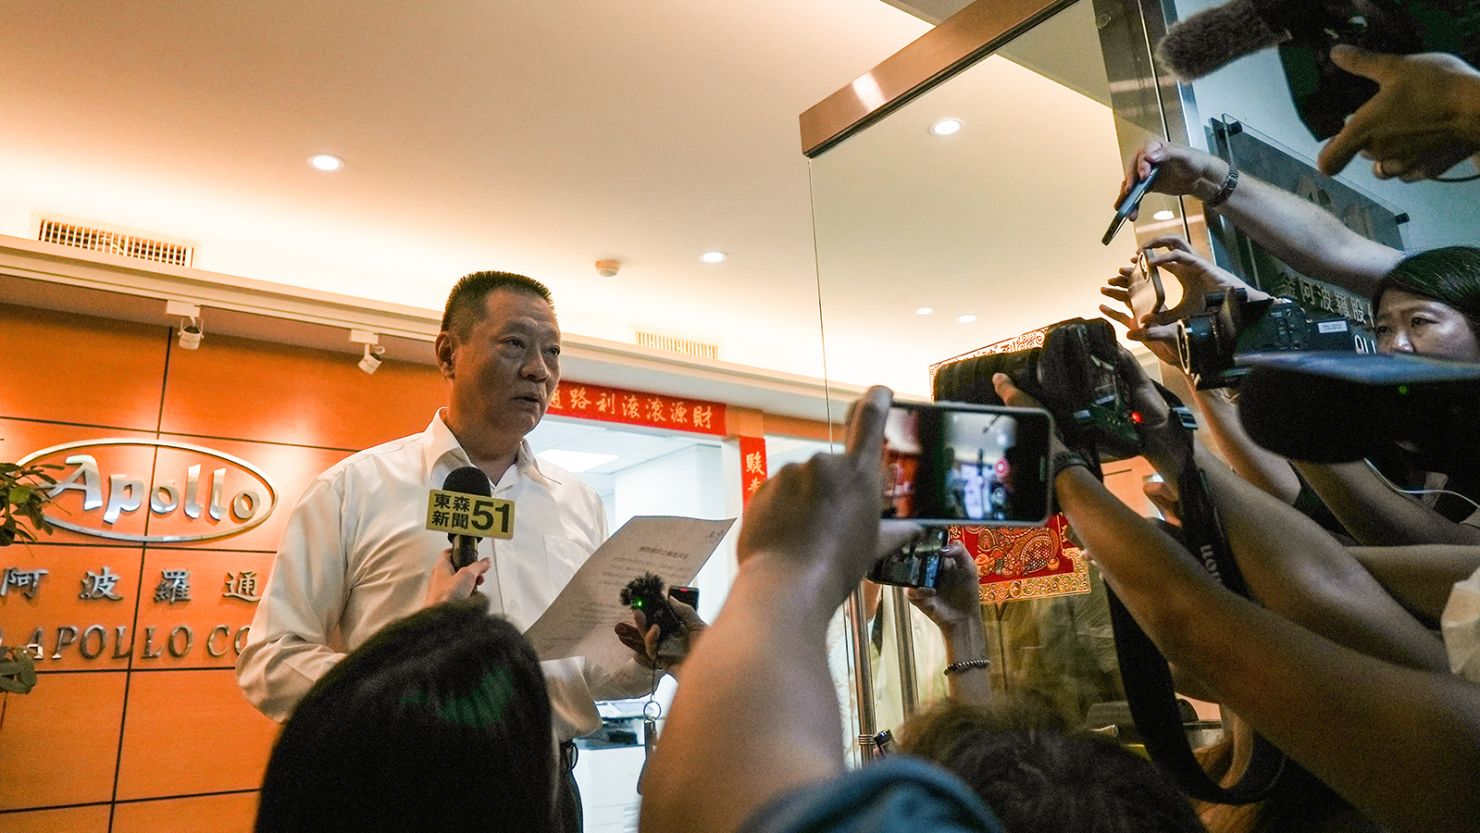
608 268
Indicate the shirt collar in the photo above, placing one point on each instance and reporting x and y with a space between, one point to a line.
439 443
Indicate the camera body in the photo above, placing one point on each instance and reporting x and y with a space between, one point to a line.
1210 345
1325 95
1073 374
916 564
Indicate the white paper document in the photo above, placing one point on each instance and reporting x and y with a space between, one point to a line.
580 621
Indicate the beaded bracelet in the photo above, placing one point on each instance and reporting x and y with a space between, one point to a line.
963 665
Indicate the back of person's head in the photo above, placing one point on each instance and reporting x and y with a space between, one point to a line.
1450 275
466 301
1037 776
439 723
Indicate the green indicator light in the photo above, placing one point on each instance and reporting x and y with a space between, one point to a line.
1402 390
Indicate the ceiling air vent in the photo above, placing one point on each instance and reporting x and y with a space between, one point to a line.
698 349
126 244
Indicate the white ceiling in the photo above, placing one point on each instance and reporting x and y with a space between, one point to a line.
1002 220
540 137
534 137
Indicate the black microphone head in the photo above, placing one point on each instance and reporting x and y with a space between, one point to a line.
1340 407
1211 38
469 480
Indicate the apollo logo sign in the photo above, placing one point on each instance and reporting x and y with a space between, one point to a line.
194 493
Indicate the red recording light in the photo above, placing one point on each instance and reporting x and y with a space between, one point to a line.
1137 418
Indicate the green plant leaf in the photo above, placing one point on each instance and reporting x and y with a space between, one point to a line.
21 495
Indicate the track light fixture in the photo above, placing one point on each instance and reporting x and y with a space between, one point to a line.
191 333
374 355
373 358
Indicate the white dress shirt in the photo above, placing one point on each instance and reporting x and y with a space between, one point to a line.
356 556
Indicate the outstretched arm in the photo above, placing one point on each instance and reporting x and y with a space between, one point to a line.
1290 683
1422 577
1308 238
745 727
1375 514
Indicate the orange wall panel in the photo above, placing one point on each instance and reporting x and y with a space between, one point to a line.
72 368
235 813
254 390
77 633
69 820
60 741
290 469
213 619
189 732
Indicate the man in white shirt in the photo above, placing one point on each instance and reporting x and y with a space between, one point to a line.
356 554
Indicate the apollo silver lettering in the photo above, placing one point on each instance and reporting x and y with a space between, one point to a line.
220 506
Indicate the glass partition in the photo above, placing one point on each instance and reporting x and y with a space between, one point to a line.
969 216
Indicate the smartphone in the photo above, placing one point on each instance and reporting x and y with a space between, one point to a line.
1146 293
1131 202
951 463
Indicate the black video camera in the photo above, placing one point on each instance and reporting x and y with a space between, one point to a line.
1074 374
1212 346
1325 95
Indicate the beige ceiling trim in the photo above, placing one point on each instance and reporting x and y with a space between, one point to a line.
955 44
589 359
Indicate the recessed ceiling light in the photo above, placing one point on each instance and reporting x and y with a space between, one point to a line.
965 319
1164 214
713 257
325 162
575 461
924 310
946 127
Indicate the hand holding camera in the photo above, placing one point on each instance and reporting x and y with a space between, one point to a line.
664 629
1197 276
954 603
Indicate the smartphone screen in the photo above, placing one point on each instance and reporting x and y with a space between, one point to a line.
952 463
1146 294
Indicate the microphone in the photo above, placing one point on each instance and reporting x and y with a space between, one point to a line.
469 480
1340 407
1211 38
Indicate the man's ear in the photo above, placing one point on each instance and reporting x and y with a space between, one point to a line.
443 347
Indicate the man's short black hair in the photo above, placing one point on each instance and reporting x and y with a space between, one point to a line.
465 301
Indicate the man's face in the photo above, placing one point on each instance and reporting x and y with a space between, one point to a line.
505 370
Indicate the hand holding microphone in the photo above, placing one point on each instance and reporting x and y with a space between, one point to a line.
469 480
457 571
447 585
